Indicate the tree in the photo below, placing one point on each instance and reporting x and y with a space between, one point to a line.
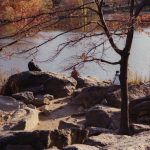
123 27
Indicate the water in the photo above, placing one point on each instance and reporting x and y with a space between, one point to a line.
139 61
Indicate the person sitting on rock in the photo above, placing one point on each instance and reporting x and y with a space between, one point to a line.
116 80
75 74
33 67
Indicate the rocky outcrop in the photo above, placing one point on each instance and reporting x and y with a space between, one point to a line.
67 125
120 142
90 81
103 116
94 131
102 140
40 140
9 104
62 138
93 95
40 82
16 116
108 95
59 86
140 110
136 91
81 147
28 98
23 119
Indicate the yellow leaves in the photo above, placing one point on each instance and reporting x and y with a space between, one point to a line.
9 13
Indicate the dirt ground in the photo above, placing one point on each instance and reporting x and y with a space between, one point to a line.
60 109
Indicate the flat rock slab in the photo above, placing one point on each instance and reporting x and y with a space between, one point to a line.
25 119
81 147
9 103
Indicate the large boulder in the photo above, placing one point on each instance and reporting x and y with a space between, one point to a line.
136 91
103 116
67 125
62 138
120 142
38 140
140 110
54 84
9 104
59 86
28 98
102 140
134 103
90 81
93 95
80 147
23 119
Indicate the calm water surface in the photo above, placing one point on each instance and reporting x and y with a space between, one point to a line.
139 61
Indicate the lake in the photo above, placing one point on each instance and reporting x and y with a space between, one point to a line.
139 62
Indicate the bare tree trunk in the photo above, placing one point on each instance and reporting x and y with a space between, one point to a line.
124 123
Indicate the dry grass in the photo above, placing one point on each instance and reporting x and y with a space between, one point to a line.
134 78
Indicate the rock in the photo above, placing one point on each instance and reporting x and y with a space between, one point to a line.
94 131
90 81
78 136
24 119
44 110
135 92
60 138
59 86
40 102
67 125
135 142
31 106
103 139
76 92
91 96
19 147
113 99
26 97
140 110
103 116
34 80
137 128
52 148
49 97
140 104
40 140
9 103
37 139
81 147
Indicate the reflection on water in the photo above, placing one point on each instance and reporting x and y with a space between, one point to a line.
139 60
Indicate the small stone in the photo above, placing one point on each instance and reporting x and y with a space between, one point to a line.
49 97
